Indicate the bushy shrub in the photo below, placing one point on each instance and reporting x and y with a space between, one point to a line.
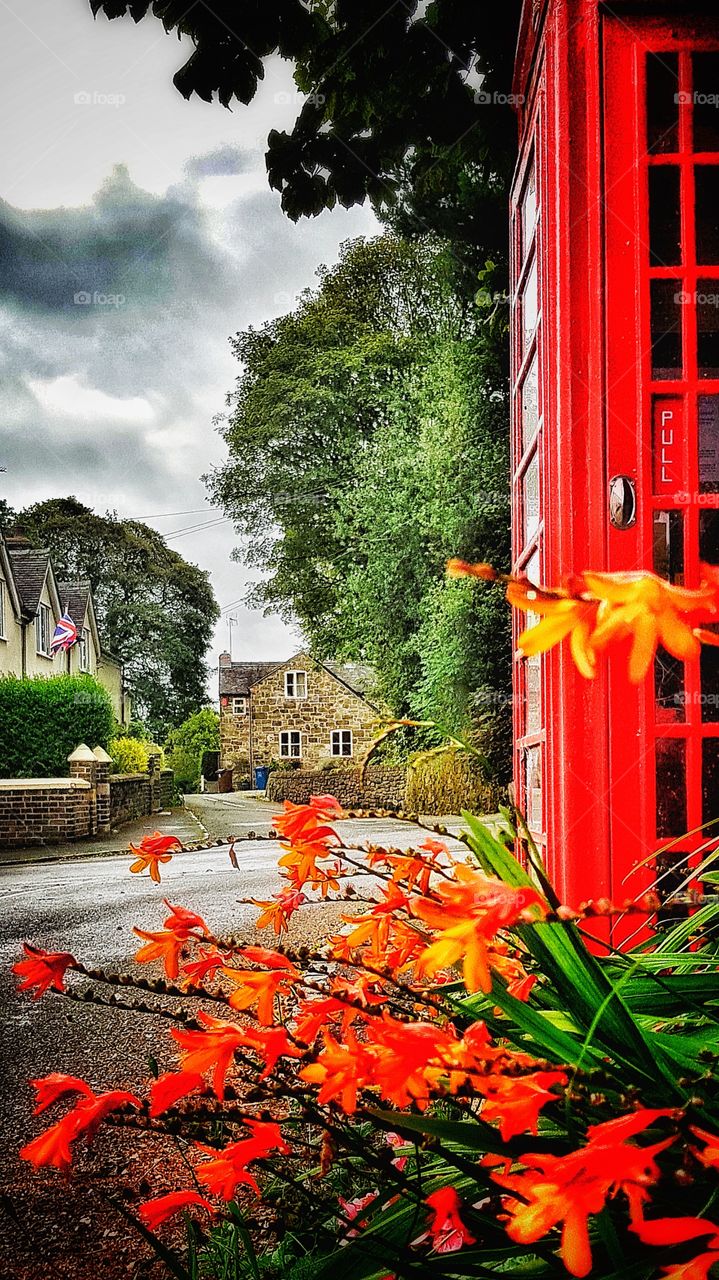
185 745
43 719
129 755
449 782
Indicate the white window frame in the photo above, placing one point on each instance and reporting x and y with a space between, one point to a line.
43 619
240 710
2 609
286 744
84 649
294 681
337 743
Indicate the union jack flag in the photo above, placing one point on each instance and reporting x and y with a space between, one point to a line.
65 634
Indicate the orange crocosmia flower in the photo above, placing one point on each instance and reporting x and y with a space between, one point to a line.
562 615
326 806
210 1050
153 1212
464 569
184 923
468 913
650 610
697 1269
302 822
373 926
160 946
710 1155
279 909
567 1189
516 1101
208 962
361 989
405 1054
259 986
314 1014
446 1227
53 1148
271 1045
151 851
55 1086
665 1231
228 1168
170 1087
340 1070
43 969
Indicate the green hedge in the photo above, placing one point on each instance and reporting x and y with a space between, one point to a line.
42 721
449 782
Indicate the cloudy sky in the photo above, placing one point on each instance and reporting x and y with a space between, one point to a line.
137 232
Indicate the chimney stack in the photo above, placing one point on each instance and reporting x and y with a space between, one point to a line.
225 659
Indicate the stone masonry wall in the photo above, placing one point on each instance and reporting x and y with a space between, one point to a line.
129 797
167 788
235 742
39 811
383 788
329 705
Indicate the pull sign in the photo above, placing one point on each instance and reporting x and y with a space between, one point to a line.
622 502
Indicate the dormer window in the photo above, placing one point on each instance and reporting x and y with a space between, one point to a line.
295 684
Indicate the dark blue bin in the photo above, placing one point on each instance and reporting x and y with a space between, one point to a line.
261 776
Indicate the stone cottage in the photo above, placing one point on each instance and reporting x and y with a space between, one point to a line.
300 710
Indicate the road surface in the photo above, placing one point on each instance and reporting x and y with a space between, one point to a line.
89 906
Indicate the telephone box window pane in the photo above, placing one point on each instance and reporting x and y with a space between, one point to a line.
664 216
533 785
530 403
710 781
708 328
709 536
671 788
667 297
708 415
706 101
662 102
669 546
533 674
709 663
529 306
707 213
669 689
528 209
530 487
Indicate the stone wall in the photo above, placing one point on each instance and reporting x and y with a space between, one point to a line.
383 787
129 797
38 811
167 788
235 742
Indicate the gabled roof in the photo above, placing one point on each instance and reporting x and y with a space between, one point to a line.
31 569
74 597
238 677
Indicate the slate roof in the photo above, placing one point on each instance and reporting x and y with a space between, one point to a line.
29 569
238 677
74 597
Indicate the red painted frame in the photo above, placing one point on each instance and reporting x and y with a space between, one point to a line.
580 80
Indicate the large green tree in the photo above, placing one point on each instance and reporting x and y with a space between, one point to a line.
407 103
366 444
156 611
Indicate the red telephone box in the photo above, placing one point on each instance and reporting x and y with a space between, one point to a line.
615 425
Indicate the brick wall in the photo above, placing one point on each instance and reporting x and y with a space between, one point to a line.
383 787
129 797
38 811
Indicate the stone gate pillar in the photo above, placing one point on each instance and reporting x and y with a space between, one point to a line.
83 765
102 774
153 769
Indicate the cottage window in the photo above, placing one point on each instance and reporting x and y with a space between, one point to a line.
238 706
42 630
295 684
84 649
290 744
341 742
2 609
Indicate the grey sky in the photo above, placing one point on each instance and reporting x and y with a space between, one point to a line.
137 232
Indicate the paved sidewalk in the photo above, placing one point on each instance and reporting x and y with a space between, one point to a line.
175 822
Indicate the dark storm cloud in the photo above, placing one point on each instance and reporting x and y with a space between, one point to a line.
223 162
